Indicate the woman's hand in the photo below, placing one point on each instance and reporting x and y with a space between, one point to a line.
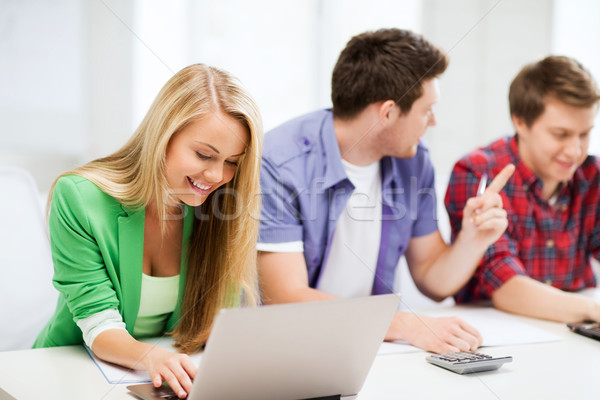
176 369
119 347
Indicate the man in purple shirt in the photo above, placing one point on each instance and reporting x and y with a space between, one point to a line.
348 191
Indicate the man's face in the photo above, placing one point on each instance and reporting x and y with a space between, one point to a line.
557 142
406 131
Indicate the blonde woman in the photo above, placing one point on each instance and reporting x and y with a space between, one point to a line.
160 235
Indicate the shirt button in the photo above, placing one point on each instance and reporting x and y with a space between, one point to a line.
548 281
525 187
564 207
549 243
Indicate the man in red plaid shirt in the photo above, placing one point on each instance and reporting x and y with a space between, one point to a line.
552 199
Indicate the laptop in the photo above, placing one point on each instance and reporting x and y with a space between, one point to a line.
313 350
586 328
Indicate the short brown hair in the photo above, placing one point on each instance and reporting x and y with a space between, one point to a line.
388 64
561 77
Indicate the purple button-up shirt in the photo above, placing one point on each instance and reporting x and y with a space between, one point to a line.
305 189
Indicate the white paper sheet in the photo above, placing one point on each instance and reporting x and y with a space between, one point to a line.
396 347
116 374
497 328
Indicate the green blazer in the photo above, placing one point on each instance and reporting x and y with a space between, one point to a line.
97 248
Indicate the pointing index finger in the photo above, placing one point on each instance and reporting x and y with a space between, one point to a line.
501 179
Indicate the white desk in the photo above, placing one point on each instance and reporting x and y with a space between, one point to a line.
558 370
567 369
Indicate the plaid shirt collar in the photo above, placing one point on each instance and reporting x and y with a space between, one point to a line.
535 184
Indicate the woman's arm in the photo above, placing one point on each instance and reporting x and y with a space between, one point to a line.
119 347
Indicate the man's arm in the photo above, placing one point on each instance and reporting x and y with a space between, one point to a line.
283 279
527 296
440 270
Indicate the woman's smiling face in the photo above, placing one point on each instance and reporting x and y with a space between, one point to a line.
203 156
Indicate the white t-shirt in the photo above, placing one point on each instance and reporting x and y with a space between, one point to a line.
349 270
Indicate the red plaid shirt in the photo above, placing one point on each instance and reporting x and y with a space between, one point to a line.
549 243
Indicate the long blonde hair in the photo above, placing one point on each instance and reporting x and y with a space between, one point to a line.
221 259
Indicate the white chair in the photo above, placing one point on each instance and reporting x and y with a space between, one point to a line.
27 297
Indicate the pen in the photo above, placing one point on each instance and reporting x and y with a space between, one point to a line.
482 184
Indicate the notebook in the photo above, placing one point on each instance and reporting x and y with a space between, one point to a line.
310 350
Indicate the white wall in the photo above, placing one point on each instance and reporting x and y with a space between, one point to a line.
285 55
161 47
42 105
575 33
488 42
41 74
77 77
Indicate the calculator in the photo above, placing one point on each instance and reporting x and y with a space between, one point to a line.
466 362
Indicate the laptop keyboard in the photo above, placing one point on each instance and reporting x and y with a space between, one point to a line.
165 393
